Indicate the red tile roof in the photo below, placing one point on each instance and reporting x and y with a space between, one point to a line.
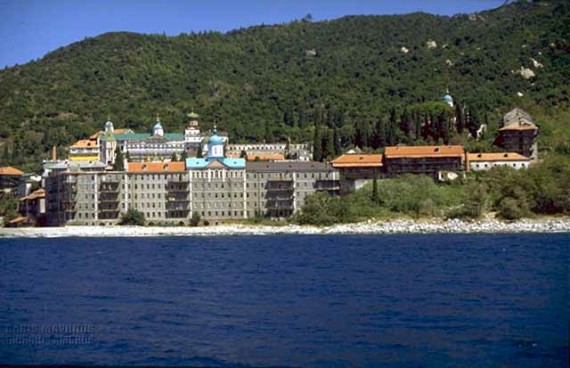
9 170
156 167
497 156
358 160
423 151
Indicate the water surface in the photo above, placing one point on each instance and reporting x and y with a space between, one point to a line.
383 300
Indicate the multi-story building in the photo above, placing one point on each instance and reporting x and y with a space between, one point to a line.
84 150
33 206
296 151
160 190
9 178
217 184
72 192
358 169
519 134
156 146
441 162
279 189
217 188
486 161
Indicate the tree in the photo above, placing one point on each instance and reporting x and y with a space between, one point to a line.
243 154
374 197
195 220
336 139
199 153
317 144
328 145
119 164
132 217
183 156
174 157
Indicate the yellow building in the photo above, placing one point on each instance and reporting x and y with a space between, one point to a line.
84 150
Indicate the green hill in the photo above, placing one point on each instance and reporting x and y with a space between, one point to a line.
270 82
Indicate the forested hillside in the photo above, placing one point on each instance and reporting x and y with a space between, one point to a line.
361 80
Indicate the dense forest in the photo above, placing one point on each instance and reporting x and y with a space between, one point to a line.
364 81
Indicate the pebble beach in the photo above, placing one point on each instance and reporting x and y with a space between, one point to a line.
489 226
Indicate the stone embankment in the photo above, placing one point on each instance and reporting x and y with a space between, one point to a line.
550 225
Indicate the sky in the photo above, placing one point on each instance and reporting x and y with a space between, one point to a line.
31 28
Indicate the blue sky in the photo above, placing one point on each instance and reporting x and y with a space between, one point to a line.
31 28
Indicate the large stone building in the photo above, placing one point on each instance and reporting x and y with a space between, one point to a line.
357 169
217 188
486 161
519 134
9 178
296 151
440 162
155 146
279 189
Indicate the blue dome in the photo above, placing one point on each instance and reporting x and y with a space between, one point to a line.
157 125
448 98
216 140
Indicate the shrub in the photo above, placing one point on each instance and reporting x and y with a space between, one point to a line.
132 217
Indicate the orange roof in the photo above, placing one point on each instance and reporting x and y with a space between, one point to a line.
40 193
155 167
96 135
9 170
84 143
424 151
497 156
265 156
358 160
18 220
122 131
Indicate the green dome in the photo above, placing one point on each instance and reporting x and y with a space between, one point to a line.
193 115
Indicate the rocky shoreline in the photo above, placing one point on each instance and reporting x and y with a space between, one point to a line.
489 226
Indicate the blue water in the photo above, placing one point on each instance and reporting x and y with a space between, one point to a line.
328 301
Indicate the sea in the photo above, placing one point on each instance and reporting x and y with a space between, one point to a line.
460 300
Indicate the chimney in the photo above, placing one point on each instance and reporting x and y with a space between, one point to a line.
54 153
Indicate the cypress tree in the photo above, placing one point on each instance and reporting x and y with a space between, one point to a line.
317 144
336 139
374 197
119 164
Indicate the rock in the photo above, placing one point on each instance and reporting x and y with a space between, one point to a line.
526 73
431 44
404 50
520 94
536 64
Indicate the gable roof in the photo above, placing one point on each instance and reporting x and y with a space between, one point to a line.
155 167
358 160
40 193
265 156
423 151
497 156
84 143
9 170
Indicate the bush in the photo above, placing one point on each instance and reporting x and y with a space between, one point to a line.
511 209
132 217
